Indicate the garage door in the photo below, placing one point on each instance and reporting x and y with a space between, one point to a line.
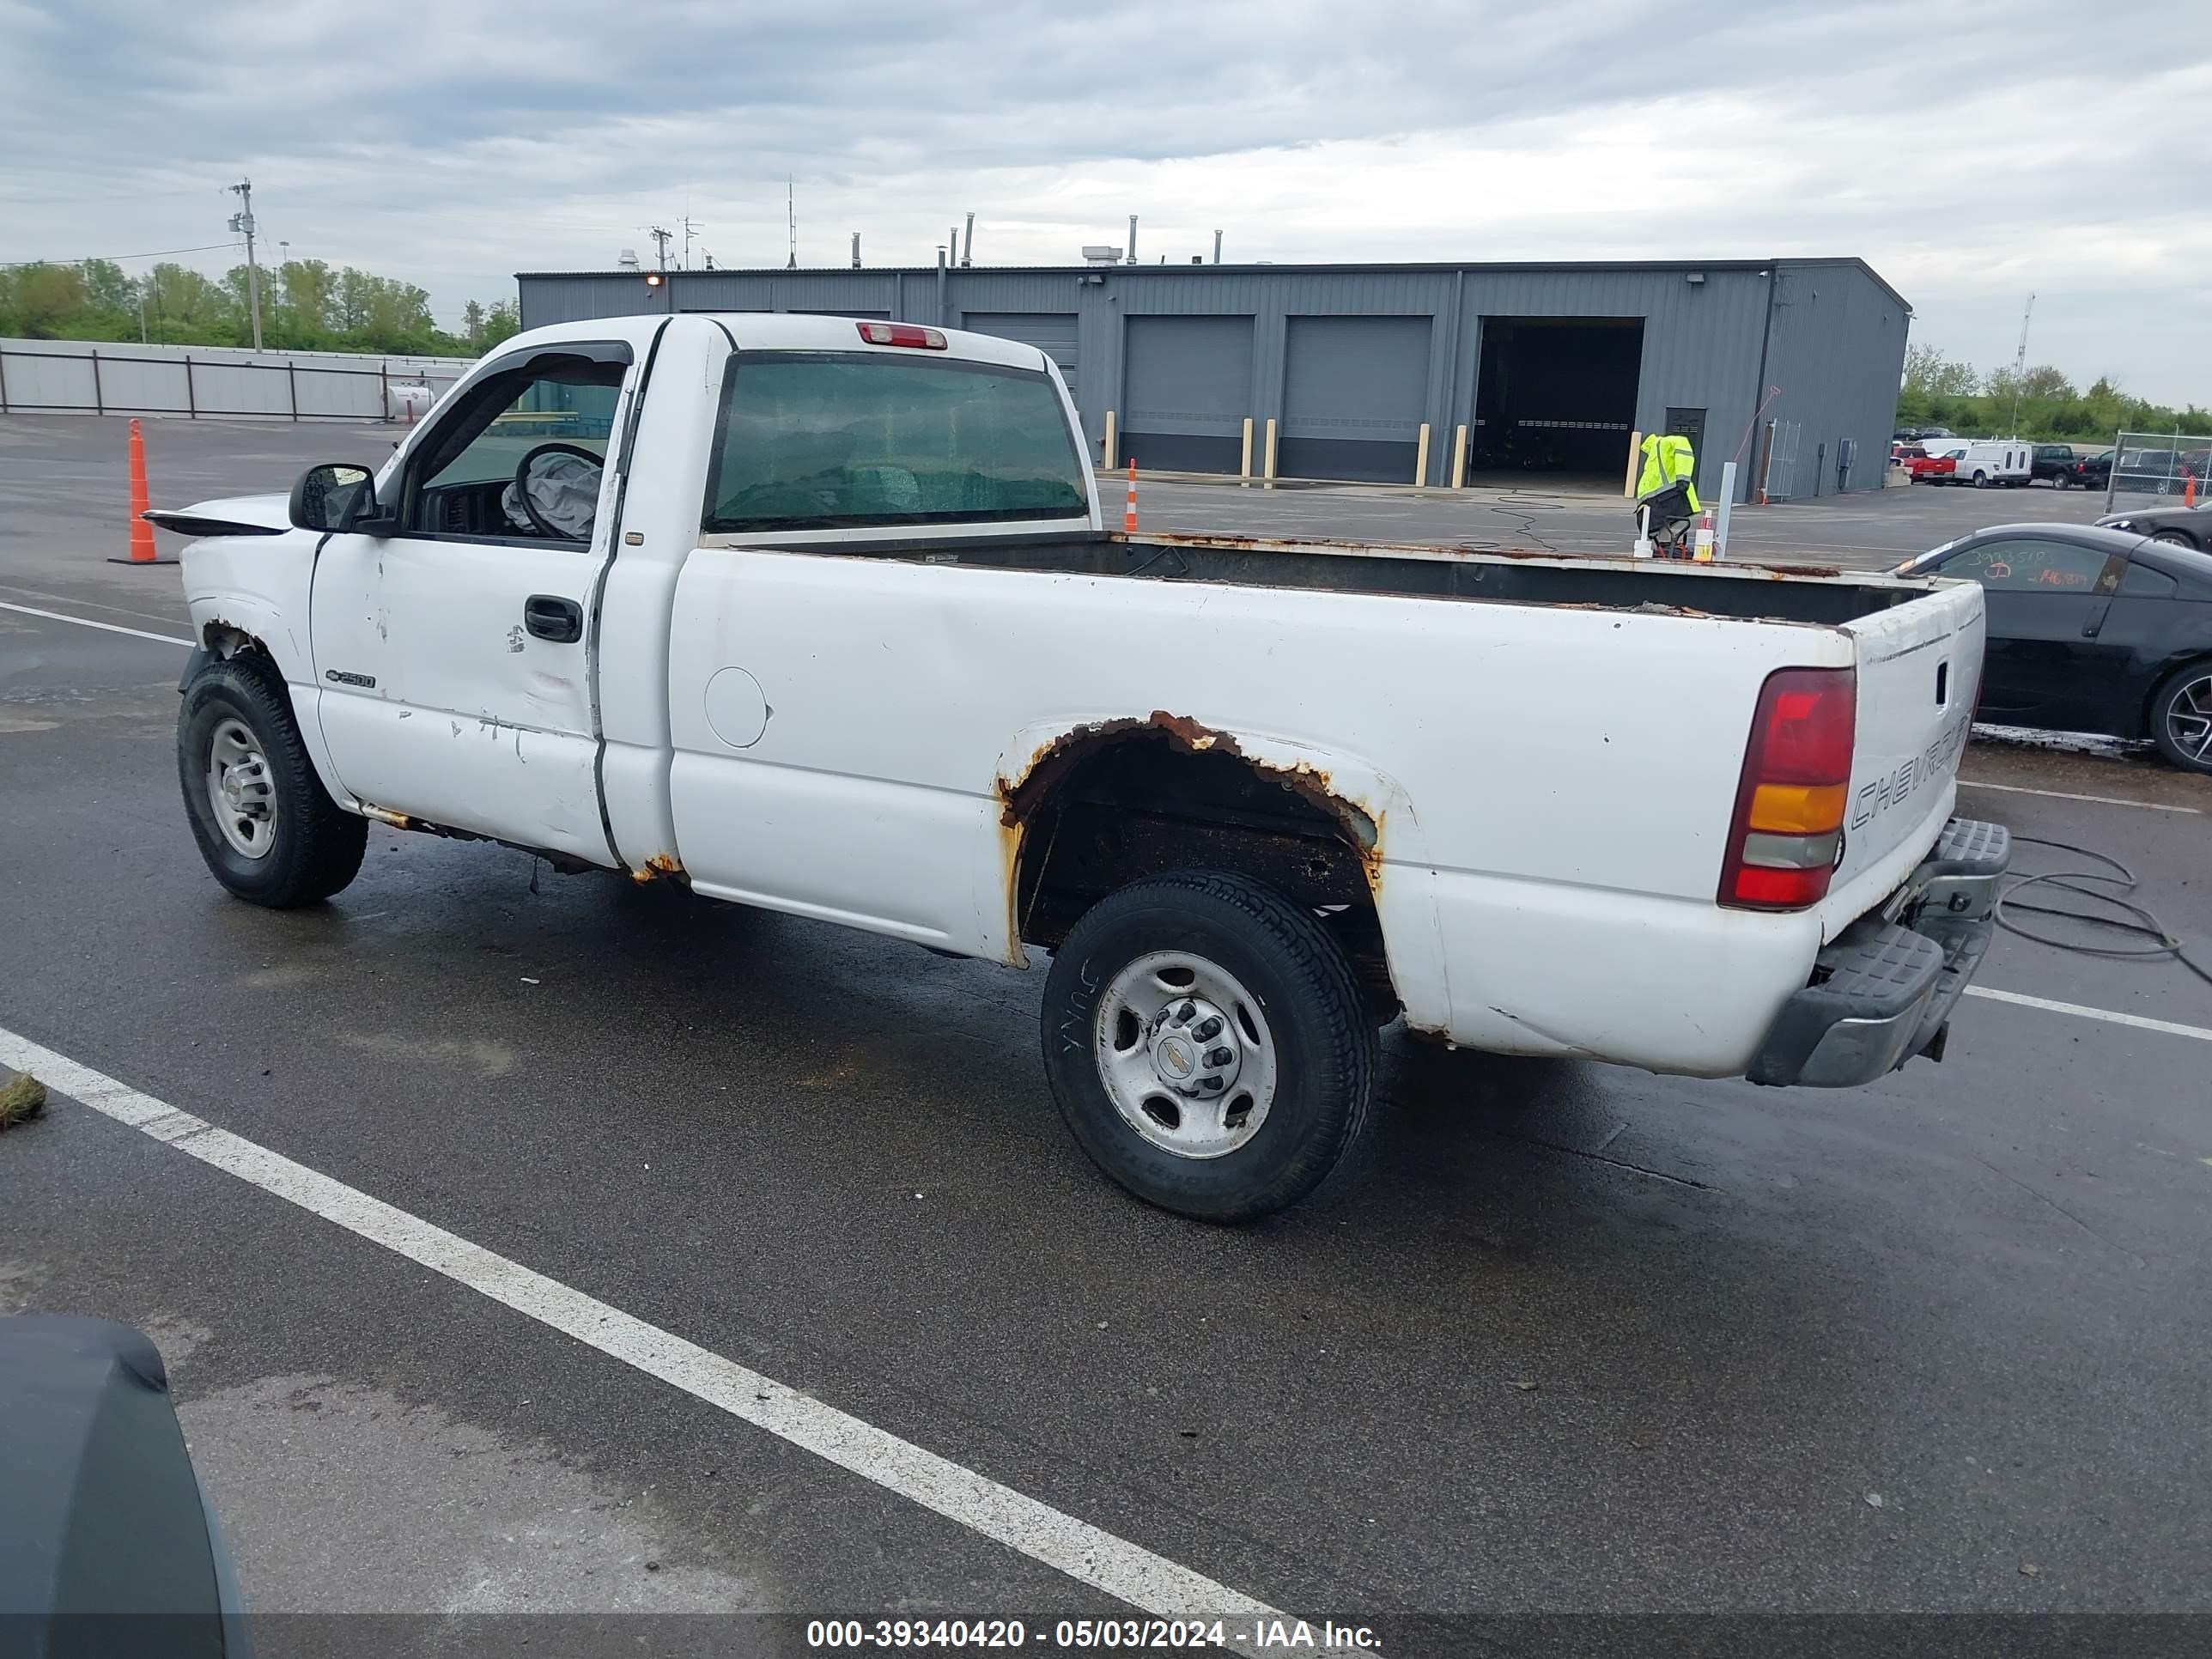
1354 389
1052 332
1187 387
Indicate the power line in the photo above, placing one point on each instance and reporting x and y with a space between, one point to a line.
117 258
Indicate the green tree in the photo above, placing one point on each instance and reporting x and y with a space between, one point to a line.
306 305
108 289
184 308
1929 373
43 300
503 321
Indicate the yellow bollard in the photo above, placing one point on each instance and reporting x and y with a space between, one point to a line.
1109 443
1421 458
1271 449
1244 468
1635 455
1459 460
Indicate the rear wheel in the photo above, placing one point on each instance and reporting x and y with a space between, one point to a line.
1981 480
2181 716
1207 1045
266 827
2062 482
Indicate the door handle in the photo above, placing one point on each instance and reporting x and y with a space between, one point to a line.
549 616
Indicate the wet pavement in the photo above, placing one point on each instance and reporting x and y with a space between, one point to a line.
1559 1337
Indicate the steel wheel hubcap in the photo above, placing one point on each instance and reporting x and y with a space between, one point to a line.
241 790
2189 719
1185 1054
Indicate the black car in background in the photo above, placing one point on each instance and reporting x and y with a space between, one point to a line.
2181 526
2092 629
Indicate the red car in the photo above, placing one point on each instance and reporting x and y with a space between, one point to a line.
1931 469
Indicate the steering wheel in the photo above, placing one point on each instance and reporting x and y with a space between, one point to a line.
570 496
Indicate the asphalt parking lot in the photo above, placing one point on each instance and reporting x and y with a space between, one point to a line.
1560 1339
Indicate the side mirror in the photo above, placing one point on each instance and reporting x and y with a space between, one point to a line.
335 496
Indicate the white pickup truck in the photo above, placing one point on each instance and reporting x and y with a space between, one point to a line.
819 615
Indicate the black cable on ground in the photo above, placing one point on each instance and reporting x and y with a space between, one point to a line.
1485 545
2137 920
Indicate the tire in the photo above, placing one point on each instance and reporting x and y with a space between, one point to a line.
1981 480
2174 538
2176 703
236 723
1289 1006
2062 482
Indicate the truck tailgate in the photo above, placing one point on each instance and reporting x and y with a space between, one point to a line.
1918 666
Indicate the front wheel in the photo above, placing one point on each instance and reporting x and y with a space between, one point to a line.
1206 1043
2181 716
266 827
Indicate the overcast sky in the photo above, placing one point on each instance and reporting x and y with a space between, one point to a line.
1971 154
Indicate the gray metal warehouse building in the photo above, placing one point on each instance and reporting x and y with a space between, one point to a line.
1792 364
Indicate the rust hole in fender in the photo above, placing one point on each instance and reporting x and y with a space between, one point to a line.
1116 800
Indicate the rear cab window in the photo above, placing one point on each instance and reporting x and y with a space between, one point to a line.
849 441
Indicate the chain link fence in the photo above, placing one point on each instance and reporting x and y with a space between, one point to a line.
2149 465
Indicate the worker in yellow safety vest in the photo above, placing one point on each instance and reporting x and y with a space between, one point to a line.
1669 459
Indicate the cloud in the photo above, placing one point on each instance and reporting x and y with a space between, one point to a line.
455 142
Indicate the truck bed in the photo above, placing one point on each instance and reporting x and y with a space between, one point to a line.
1798 593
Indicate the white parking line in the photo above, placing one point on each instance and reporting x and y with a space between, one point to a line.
87 622
2170 1027
1083 1551
2061 794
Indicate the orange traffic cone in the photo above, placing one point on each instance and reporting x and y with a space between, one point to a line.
143 550
1129 513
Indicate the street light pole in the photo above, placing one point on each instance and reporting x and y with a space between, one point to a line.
243 220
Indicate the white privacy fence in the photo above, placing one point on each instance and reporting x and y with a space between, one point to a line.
102 378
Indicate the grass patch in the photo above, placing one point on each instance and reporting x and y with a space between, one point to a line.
22 1098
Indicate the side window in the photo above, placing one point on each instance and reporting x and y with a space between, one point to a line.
2141 582
521 457
823 440
2027 565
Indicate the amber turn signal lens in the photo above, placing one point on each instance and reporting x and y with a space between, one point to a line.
1797 809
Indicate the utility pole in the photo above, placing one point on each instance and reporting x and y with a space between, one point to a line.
690 225
791 208
243 220
660 246
2019 364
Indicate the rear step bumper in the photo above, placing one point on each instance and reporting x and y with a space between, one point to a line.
1882 991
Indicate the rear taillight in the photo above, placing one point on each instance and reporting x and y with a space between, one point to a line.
903 334
1788 831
